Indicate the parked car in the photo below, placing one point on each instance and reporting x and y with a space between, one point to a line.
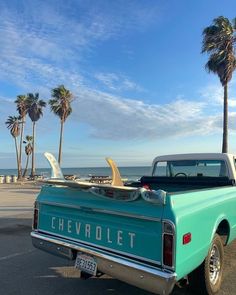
169 226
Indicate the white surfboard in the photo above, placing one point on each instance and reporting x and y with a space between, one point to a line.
115 190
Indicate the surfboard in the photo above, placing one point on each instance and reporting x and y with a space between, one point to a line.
115 190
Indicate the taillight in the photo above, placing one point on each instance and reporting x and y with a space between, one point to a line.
168 250
187 238
36 216
168 244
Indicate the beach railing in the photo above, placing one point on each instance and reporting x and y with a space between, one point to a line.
8 178
14 178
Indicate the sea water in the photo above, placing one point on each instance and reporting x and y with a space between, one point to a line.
130 173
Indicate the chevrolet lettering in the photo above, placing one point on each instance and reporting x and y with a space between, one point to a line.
92 232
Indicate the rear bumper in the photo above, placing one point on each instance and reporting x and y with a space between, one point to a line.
141 275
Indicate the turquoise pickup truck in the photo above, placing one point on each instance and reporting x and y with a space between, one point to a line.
169 227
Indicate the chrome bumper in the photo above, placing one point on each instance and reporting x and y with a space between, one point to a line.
140 275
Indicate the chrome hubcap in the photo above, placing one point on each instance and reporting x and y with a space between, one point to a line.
214 265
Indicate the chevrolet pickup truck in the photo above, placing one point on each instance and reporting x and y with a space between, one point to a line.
170 226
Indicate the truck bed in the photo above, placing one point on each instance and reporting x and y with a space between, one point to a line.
181 184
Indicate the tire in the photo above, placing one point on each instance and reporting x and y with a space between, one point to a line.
207 278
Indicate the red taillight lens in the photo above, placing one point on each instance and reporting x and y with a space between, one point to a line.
36 216
187 238
168 250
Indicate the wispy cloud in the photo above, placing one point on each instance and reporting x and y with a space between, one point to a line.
6 106
43 45
214 94
111 117
62 31
117 82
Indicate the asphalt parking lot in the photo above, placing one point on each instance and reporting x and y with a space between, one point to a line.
28 271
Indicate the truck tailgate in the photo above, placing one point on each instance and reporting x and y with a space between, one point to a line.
128 228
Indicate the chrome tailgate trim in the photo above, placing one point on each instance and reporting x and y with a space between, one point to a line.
138 274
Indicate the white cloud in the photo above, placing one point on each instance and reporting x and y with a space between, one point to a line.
117 82
115 118
44 48
6 109
214 94
217 121
42 44
111 117
32 75
62 31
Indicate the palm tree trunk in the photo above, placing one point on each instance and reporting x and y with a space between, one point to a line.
60 145
21 142
33 153
17 159
26 166
225 121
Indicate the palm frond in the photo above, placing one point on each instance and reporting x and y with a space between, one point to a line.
35 106
219 41
13 124
29 138
60 103
21 105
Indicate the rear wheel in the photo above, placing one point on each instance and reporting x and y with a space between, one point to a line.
207 278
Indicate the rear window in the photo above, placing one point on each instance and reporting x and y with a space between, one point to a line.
188 168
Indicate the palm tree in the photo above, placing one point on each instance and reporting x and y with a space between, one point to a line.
28 151
61 106
13 124
218 41
22 108
35 111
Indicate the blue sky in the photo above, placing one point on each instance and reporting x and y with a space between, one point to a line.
134 67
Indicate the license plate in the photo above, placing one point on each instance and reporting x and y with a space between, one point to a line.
86 263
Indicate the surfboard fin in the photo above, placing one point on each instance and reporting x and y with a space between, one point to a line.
56 172
116 178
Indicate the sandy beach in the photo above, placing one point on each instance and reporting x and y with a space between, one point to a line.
26 270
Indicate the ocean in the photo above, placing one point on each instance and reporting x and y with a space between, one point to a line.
130 173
